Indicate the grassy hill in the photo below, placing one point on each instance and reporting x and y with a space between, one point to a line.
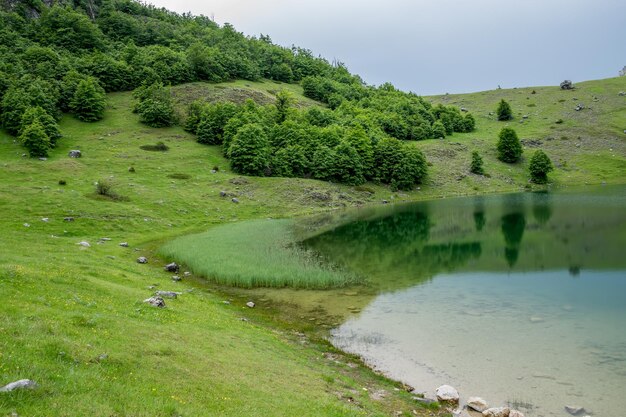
72 317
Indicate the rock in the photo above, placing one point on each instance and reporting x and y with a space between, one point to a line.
463 109
21 384
622 93
525 116
575 411
477 404
172 267
515 413
176 278
459 412
26 225
124 244
579 107
187 273
250 304
74 154
155 301
497 412
167 294
68 219
142 260
223 193
447 393
235 200
567 85
45 219
43 159
385 202
84 244
105 239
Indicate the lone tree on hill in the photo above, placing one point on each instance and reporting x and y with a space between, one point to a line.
504 111
540 165
509 147
476 166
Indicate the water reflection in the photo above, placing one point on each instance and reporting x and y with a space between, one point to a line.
513 226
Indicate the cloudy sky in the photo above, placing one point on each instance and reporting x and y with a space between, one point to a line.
438 46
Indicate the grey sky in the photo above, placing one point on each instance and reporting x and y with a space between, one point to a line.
438 46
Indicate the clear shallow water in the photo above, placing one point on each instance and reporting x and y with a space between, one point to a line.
520 299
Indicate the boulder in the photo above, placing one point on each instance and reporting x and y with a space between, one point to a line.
223 193
43 159
446 393
21 384
622 93
250 304
579 107
142 260
74 154
124 244
575 410
173 267
155 301
497 412
176 278
84 244
515 413
567 85
235 200
167 294
477 404
68 219
187 273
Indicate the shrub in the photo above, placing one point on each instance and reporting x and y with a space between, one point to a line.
48 122
34 139
212 120
249 150
89 101
410 170
476 166
348 166
159 147
504 111
540 166
469 123
439 130
509 147
155 106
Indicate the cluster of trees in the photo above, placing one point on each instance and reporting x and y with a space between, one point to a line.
279 140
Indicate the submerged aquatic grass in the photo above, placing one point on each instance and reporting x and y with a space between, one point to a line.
261 253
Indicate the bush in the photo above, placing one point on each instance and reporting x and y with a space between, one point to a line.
439 130
249 150
155 106
34 139
347 165
469 123
410 170
540 166
89 101
509 147
50 126
476 166
504 111
212 120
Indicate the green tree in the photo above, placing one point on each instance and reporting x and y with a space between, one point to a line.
410 169
504 111
155 105
469 123
249 152
476 166
509 147
358 139
89 101
283 103
213 119
348 167
49 124
27 92
34 139
540 166
439 130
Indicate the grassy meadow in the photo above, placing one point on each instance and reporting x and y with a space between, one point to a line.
72 317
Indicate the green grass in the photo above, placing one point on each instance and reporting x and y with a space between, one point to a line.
64 305
260 253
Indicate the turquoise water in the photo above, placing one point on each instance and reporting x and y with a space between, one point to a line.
519 299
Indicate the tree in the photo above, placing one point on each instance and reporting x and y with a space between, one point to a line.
34 139
540 166
284 99
89 101
348 166
504 111
213 119
469 123
439 130
50 126
155 106
410 170
476 166
249 151
509 147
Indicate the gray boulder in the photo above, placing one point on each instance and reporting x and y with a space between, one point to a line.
575 410
497 412
446 393
579 107
142 260
75 153
515 413
124 244
235 200
21 384
167 294
477 404
84 244
567 85
172 267
155 301
176 278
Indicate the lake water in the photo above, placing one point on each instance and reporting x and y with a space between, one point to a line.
519 299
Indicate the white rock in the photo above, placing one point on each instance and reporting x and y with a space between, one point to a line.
44 219
515 413
21 384
250 304
497 412
477 403
447 393
84 244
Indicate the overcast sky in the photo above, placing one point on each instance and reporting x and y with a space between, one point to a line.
438 46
